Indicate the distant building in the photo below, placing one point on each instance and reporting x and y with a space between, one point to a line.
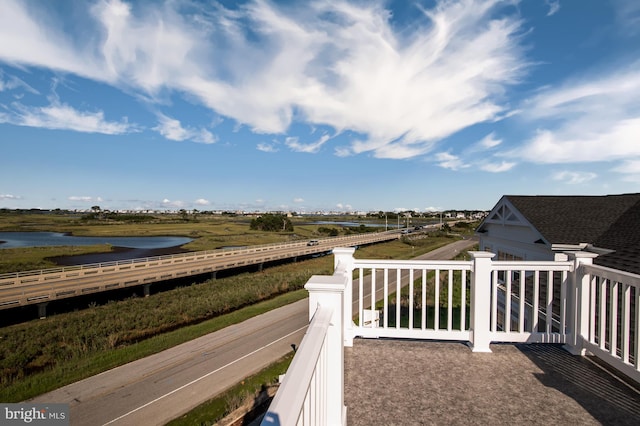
545 227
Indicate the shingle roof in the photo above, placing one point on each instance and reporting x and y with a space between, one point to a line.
573 219
609 221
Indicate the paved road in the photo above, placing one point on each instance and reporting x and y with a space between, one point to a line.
156 389
161 387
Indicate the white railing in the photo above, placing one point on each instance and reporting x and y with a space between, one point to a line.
612 333
302 396
586 307
312 392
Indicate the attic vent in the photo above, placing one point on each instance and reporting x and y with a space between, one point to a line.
539 241
504 213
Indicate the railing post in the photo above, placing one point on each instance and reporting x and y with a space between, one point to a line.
343 264
578 310
481 301
329 291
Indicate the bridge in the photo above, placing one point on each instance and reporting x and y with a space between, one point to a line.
42 286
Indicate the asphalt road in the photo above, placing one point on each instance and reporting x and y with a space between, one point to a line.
156 389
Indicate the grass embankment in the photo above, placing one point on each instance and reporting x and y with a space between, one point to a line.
222 405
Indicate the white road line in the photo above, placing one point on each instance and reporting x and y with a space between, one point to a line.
202 377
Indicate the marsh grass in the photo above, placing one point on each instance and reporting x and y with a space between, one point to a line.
402 301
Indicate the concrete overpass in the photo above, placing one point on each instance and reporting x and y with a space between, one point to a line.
42 286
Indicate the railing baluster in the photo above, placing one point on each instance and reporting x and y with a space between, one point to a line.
507 304
463 301
450 302
536 302
603 314
411 299
613 318
386 298
549 323
494 301
625 314
592 308
398 297
563 303
372 307
424 299
636 353
360 298
521 312
436 303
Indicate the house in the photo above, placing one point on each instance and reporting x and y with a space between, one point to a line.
533 228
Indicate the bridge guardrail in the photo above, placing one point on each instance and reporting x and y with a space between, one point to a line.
29 287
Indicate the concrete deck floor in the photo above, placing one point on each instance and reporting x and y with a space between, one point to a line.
401 382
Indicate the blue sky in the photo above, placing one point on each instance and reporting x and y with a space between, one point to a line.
316 105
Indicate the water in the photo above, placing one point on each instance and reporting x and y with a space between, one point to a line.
323 222
40 239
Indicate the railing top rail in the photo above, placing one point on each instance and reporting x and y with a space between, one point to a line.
406 264
532 265
289 400
612 274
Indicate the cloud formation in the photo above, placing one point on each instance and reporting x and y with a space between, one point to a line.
85 198
593 120
10 197
574 178
333 63
172 129
59 116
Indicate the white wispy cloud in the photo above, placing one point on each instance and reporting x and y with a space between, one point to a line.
630 169
503 166
334 63
627 16
554 6
172 129
489 141
298 200
167 203
450 161
10 197
60 116
596 119
202 202
293 142
11 82
574 178
265 147
433 209
85 198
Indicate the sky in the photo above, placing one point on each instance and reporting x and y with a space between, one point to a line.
308 106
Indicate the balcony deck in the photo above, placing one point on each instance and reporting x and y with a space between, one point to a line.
405 382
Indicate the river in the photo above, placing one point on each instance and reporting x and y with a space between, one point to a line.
122 247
